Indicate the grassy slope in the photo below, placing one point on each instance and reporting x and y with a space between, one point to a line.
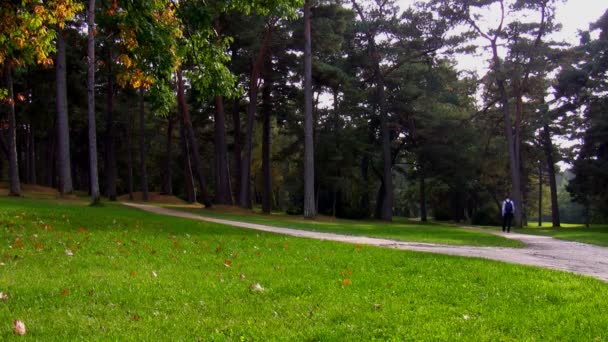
313 289
400 229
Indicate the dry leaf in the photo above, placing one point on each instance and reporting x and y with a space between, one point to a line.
3 296
242 276
346 282
37 244
135 318
69 252
19 327
227 263
347 272
256 287
65 292
154 274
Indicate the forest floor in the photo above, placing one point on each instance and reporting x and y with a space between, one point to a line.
541 251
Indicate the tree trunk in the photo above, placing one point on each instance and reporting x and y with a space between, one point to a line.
365 176
192 143
94 177
50 157
110 151
130 151
245 192
309 157
379 200
64 160
168 174
13 163
540 193
548 147
423 216
31 156
189 178
266 169
223 192
236 123
143 173
513 162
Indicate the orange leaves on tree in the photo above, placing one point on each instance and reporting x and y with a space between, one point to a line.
112 10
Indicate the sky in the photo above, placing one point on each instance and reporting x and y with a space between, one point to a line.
574 15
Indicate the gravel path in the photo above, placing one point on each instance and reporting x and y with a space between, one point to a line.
542 251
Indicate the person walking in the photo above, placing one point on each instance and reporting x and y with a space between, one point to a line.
508 209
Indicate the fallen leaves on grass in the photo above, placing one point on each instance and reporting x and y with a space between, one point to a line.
346 282
18 243
19 327
3 296
69 252
347 272
227 263
154 275
256 287
64 292
135 318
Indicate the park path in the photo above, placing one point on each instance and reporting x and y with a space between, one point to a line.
542 251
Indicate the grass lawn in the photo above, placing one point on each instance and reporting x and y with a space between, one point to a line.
595 234
401 229
139 276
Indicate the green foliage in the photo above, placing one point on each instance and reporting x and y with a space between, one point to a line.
139 276
161 98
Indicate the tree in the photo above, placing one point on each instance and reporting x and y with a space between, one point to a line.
469 13
26 36
309 160
582 87
93 168
63 130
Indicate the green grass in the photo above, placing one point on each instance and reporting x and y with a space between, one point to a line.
595 234
313 290
401 229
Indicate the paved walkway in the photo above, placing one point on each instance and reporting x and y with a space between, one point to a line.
542 251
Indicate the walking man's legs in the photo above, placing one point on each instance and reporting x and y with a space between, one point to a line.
504 221
508 218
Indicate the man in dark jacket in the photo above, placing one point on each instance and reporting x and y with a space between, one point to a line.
508 209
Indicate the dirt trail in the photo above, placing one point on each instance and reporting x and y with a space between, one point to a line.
542 251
